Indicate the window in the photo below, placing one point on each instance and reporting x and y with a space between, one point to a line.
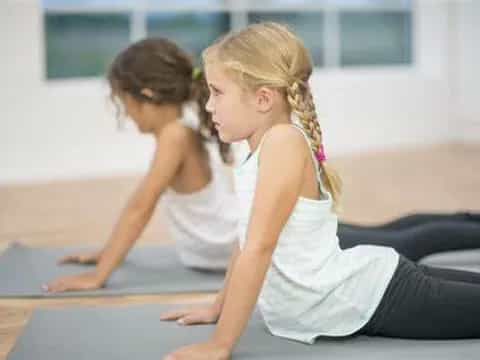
191 31
375 38
309 26
83 36
79 45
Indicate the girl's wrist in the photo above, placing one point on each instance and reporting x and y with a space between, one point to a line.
217 306
223 343
101 276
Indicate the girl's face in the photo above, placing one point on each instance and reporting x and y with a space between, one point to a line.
149 118
134 110
233 108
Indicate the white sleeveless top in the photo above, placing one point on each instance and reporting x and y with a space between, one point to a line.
203 224
313 287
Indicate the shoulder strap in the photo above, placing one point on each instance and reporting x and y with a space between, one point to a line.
316 165
257 150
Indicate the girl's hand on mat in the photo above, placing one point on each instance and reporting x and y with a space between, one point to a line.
87 258
209 350
200 314
84 281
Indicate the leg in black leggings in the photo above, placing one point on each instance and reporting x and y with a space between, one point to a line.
428 303
412 220
418 241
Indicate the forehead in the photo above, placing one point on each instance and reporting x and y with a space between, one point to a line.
217 75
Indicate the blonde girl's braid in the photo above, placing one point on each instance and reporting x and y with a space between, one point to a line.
270 54
304 108
301 102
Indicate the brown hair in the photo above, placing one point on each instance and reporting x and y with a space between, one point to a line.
161 66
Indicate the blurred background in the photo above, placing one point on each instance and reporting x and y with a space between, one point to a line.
395 83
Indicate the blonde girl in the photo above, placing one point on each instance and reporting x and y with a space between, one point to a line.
289 261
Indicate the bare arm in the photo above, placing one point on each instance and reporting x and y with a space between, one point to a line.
220 298
139 210
168 158
276 194
204 313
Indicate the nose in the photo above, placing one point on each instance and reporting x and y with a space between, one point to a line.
209 105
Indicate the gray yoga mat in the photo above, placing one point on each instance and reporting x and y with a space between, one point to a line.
146 270
135 332
468 260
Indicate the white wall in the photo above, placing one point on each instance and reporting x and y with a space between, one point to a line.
52 130
66 129
466 101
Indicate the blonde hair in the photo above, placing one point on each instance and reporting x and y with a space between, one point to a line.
269 54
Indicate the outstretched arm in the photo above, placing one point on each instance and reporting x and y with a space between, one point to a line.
204 313
135 216
276 194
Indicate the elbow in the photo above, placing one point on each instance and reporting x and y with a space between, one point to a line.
261 251
139 212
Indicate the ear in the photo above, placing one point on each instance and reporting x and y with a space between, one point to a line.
264 99
147 92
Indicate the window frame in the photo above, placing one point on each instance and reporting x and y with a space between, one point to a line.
238 10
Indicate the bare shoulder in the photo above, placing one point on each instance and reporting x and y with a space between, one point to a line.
286 140
170 153
175 133
172 145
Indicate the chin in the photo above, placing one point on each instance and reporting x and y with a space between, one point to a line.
225 138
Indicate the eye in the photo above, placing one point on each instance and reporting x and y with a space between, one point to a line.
214 91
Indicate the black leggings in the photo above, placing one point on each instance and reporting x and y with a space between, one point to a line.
423 302
419 235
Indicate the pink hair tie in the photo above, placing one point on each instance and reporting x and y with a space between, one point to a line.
320 154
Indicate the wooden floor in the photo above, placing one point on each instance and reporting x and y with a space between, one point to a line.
378 187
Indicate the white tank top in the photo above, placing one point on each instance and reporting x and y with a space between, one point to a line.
313 287
203 224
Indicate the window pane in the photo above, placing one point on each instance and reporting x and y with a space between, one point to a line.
89 3
406 4
191 31
332 4
195 3
309 27
375 38
83 44
102 3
